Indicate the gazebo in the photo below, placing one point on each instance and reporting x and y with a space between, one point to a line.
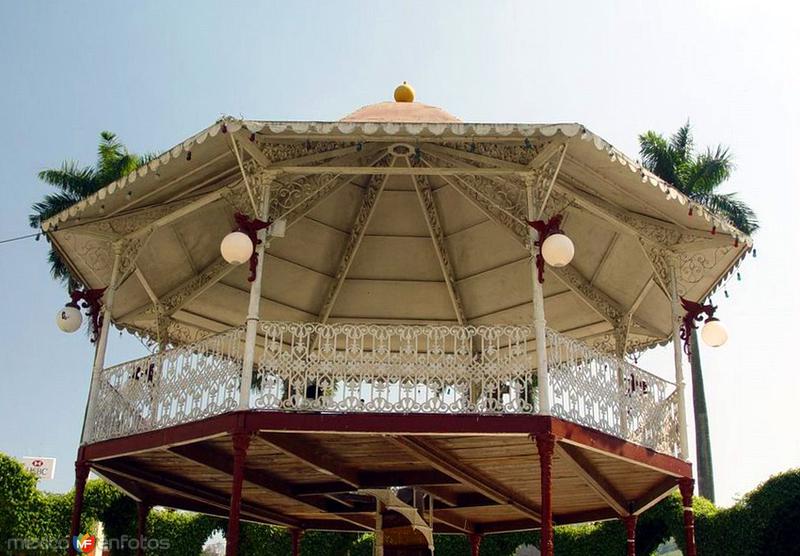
396 322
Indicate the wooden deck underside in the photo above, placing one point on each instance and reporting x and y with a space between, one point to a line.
482 471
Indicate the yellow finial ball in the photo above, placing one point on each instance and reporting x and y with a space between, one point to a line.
404 93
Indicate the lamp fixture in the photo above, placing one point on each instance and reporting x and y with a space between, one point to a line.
553 246
69 319
713 332
240 245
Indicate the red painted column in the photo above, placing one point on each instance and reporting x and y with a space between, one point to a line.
81 475
241 441
687 490
546 444
297 535
475 543
630 530
142 509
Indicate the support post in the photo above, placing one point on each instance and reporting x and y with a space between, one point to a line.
241 441
686 485
475 543
630 533
680 382
297 535
81 474
102 344
546 444
377 547
253 316
539 322
142 509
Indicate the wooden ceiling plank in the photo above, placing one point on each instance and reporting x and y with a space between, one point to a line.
584 468
193 491
655 495
212 459
469 477
312 455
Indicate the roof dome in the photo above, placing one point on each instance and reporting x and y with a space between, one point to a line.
401 110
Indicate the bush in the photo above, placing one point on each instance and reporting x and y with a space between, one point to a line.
764 523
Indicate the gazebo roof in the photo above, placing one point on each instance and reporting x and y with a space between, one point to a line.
399 213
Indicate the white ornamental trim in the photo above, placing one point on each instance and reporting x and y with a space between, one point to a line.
393 129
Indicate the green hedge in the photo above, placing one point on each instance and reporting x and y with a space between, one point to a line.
765 522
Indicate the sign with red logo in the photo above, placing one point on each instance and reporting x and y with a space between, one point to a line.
43 468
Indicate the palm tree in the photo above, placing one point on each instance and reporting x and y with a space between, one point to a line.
74 183
698 176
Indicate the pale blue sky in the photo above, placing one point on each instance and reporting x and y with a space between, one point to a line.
156 72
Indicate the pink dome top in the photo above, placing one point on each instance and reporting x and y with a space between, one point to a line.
411 112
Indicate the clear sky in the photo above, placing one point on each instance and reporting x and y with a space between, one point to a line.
156 72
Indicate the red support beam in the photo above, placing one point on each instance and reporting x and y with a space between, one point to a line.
142 509
241 441
81 474
546 445
354 423
687 491
475 544
630 533
297 535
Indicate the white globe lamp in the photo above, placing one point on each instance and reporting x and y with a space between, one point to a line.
236 248
714 333
69 319
558 250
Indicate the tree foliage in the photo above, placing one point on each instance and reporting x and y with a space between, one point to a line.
73 183
697 176
763 523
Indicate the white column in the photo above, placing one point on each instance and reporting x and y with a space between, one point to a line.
680 383
539 323
253 316
102 343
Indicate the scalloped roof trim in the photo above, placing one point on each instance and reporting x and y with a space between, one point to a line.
393 128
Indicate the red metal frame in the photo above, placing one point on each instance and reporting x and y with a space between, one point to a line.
630 530
241 441
297 535
475 544
142 509
546 445
686 485
344 423
81 475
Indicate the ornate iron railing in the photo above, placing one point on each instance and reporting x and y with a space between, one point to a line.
397 369
175 386
390 369
604 392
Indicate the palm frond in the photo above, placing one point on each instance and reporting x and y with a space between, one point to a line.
71 178
729 206
49 206
709 170
658 157
682 143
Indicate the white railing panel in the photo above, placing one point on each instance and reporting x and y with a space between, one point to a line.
599 390
395 369
178 385
387 369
